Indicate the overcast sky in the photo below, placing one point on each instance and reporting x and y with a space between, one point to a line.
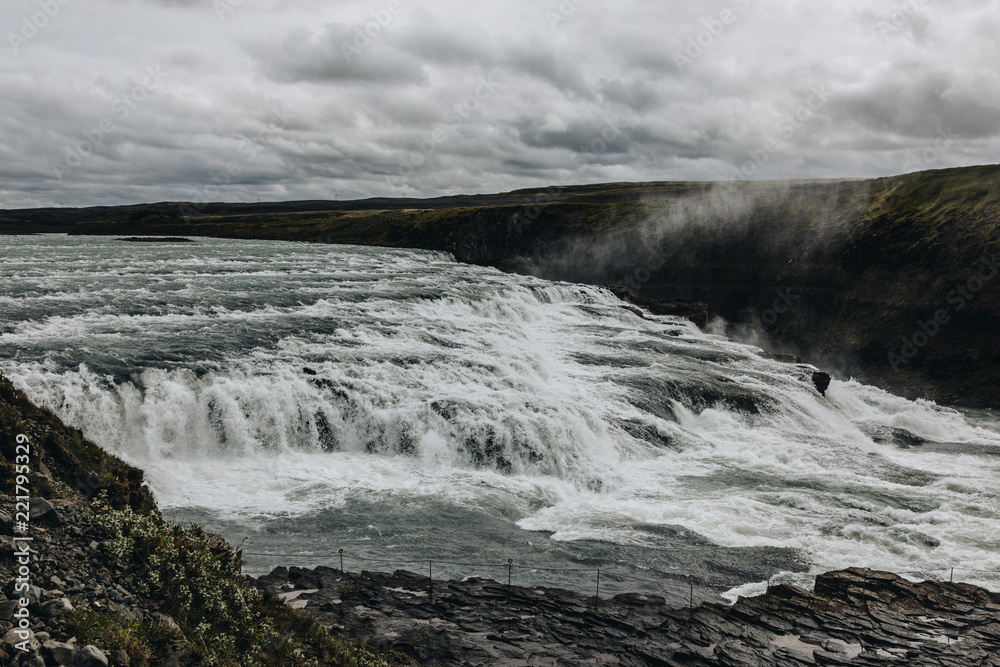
124 101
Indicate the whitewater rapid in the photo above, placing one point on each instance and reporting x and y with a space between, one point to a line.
396 402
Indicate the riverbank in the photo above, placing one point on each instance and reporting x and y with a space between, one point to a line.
853 617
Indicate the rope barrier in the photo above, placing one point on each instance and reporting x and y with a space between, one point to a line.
511 565
379 560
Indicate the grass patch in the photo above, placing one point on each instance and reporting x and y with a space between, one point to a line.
142 641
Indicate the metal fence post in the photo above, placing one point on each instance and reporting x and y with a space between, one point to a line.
341 561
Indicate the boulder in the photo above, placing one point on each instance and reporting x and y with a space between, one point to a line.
90 656
822 381
6 547
44 512
178 654
34 593
165 621
57 608
15 636
59 653
7 609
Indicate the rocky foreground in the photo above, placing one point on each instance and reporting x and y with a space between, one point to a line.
854 617
76 593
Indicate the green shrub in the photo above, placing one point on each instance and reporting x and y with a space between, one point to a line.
226 620
142 641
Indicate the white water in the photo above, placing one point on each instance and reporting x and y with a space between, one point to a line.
455 389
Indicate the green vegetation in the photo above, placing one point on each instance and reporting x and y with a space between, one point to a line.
228 621
142 641
931 217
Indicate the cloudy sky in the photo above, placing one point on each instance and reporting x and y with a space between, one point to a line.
122 101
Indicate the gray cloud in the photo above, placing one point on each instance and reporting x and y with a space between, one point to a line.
304 99
332 56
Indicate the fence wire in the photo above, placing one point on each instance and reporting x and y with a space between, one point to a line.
606 572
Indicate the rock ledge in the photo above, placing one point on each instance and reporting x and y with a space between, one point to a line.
853 617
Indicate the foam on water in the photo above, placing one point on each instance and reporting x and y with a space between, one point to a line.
269 382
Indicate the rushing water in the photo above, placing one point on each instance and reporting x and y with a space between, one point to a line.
401 406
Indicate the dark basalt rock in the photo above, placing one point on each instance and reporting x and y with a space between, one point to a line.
822 381
696 311
853 617
43 511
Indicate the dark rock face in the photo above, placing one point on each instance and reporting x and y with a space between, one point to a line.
696 311
854 617
822 381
